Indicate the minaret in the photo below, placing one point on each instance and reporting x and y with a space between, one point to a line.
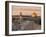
20 17
20 13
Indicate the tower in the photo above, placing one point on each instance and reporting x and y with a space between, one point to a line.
20 13
21 17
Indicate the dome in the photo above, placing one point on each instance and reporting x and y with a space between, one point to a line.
34 14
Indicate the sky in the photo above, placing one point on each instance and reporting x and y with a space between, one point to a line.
26 10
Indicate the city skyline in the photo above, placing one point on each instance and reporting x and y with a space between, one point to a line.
26 10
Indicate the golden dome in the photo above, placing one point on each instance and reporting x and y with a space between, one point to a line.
34 14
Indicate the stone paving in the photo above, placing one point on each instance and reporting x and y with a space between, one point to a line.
26 25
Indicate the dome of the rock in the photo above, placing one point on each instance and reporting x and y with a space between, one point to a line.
34 14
